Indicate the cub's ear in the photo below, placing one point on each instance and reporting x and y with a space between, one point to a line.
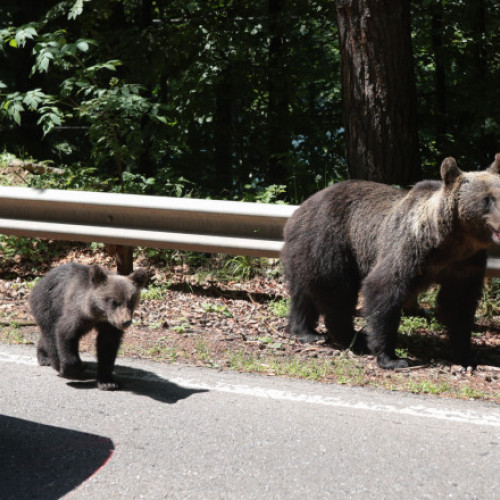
139 277
494 168
98 275
449 171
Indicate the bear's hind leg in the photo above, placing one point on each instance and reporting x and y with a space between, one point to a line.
108 343
339 314
42 356
303 318
68 334
46 351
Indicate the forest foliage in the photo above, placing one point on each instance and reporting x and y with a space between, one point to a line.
237 99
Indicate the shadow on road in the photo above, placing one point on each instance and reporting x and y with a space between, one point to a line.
43 462
141 382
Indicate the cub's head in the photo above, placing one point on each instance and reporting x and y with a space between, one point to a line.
477 199
115 297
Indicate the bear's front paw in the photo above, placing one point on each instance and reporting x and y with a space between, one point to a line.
308 337
43 360
467 360
392 363
108 386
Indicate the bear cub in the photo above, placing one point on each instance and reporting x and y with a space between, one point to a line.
71 300
390 244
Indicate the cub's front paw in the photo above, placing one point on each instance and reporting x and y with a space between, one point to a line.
108 386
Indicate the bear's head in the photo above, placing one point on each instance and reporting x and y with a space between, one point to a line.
114 297
476 198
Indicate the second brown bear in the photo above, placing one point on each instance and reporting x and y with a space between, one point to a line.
390 244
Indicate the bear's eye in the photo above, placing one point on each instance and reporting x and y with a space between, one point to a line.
113 303
488 201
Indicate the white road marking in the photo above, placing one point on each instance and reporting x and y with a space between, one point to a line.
20 360
421 411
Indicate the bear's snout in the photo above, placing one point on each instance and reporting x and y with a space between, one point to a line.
121 319
126 324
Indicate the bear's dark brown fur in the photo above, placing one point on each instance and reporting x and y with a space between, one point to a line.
73 299
390 244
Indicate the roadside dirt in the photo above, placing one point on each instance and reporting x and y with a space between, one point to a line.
200 320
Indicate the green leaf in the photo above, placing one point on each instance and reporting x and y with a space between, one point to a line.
17 116
162 119
56 120
23 34
82 45
76 9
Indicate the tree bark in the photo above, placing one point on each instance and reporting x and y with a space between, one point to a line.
480 79
379 94
440 80
277 114
224 129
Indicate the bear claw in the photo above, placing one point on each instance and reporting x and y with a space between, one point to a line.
307 338
389 363
108 386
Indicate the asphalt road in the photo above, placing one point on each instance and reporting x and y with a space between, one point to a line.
181 432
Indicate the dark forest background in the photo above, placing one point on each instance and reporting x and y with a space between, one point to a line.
248 99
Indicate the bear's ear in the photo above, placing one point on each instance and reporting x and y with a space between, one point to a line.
98 275
449 171
139 277
494 168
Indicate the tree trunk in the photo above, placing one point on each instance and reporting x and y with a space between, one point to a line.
146 13
277 114
224 129
379 95
480 79
440 80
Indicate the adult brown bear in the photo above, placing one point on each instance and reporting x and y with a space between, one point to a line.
390 244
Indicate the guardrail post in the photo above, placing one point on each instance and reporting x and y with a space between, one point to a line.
124 258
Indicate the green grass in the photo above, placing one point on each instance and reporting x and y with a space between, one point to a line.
490 302
471 393
183 327
279 308
155 291
160 352
410 325
203 353
342 370
216 309
428 387
11 335
270 342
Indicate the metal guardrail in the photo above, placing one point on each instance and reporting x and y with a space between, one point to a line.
232 227
123 219
493 265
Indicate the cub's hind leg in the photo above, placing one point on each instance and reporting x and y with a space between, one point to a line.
68 334
46 350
